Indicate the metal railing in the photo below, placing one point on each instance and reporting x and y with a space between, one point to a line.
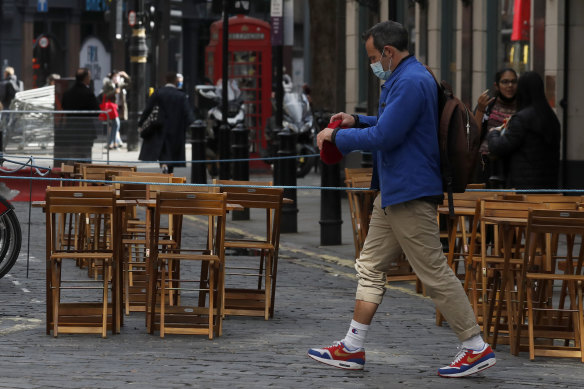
58 134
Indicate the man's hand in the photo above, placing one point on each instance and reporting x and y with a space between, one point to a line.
325 134
346 119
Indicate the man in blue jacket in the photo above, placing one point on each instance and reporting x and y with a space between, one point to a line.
406 169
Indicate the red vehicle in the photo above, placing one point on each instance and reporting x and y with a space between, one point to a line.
10 236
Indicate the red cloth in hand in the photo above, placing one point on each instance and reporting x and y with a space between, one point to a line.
110 107
329 153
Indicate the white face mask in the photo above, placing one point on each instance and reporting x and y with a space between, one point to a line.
377 68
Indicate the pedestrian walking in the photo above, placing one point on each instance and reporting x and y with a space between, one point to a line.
494 107
8 87
112 118
530 141
168 144
75 139
80 97
406 170
122 81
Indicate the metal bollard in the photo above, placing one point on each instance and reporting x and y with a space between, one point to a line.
224 152
240 150
330 205
198 142
285 175
366 159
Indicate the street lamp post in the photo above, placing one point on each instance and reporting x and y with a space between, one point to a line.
138 57
224 130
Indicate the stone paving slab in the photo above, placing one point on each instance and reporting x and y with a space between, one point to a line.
313 308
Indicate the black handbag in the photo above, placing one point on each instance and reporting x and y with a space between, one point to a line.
152 124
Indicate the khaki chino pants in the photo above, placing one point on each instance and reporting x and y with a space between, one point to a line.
412 227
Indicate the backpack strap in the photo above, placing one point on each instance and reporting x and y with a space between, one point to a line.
449 108
432 73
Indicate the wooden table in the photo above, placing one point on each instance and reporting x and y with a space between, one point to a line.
117 274
360 202
507 225
150 205
452 228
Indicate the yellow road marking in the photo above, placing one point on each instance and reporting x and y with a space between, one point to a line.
21 324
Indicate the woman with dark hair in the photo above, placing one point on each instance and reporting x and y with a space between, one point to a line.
530 141
494 107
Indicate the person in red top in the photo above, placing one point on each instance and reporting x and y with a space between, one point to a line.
108 103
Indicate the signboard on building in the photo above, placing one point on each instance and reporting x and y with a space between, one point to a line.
131 18
94 57
42 5
44 42
95 5
276 13
237 7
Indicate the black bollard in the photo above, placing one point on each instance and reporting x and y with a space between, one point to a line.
330 205
240 150
366 159
285 175
198 144
224 152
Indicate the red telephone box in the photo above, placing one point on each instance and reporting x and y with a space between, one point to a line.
250 63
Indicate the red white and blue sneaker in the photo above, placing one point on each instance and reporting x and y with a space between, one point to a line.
468 362
337 355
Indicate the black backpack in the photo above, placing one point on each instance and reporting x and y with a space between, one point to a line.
459 140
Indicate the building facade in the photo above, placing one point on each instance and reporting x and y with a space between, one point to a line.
465 42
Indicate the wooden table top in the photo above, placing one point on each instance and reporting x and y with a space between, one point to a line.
514 221
458 211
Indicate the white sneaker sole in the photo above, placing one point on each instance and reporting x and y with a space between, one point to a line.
339 364
480 367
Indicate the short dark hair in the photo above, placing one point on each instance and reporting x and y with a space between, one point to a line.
388 33
81 74
170 78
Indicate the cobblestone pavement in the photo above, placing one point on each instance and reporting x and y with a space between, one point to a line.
313 307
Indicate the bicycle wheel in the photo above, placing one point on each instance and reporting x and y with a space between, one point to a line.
10 241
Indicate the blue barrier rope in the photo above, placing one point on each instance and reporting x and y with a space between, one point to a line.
520 191
179 184
191 161
309 187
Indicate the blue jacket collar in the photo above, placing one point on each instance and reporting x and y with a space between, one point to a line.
400 67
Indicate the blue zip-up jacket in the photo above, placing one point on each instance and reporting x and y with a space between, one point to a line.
403 137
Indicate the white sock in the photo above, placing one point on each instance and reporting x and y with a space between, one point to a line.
355 338
475 343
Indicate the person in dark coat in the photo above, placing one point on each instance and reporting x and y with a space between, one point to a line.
80 97
8 87
167 144
530 141
75 139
